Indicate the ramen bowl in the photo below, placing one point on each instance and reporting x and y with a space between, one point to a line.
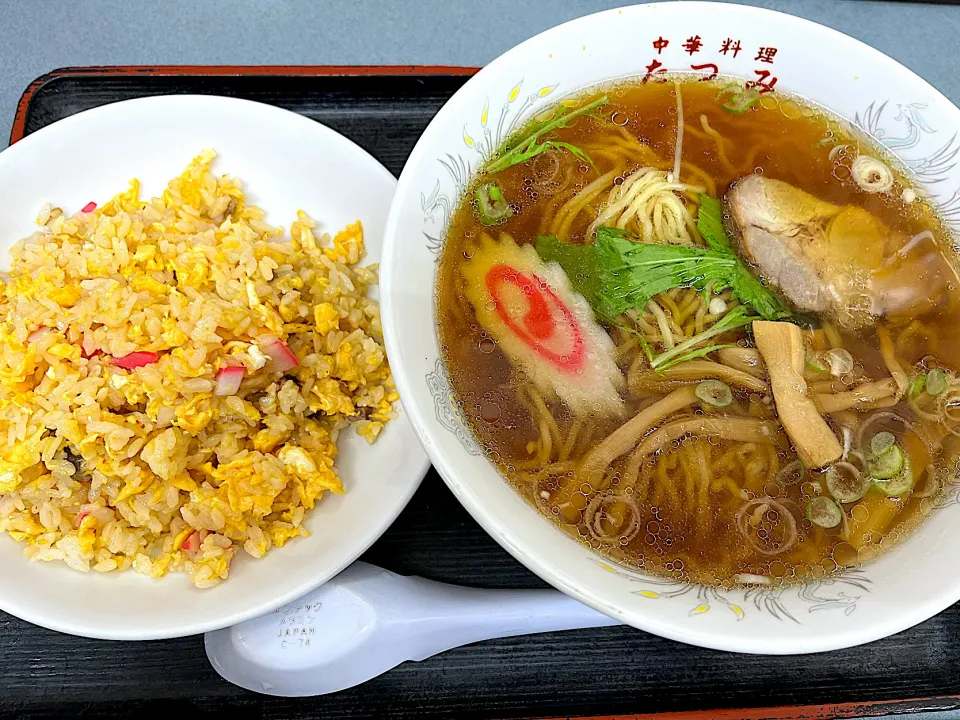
776 53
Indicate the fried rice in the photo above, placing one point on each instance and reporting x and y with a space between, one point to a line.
174 376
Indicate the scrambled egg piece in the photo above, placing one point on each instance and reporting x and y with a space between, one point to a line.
196 414
326 317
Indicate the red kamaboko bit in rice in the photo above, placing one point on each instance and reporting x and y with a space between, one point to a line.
542 326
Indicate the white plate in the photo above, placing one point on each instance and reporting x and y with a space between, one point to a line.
287 162
905 586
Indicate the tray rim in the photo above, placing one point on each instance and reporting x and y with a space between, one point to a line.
826 711
23 104
777 712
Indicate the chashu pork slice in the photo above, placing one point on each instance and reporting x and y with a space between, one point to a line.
833 260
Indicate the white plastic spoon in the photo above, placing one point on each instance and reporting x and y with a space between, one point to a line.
368 620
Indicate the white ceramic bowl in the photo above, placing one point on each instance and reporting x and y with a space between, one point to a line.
888 101
287 162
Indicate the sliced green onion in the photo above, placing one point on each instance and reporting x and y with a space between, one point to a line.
491 205
887 464
901 483
936 381
916 385
846 483
839 360
881 442
791 473
737 99
824 512
714 393
815 364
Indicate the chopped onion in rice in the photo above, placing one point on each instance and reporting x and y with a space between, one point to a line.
166 415
37 334
256 356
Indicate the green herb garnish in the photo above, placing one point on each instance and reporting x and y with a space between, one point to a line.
532 143
632 272
745 284
689 349
579 262
710 223
618 273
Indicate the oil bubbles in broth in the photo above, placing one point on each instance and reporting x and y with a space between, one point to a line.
706 331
